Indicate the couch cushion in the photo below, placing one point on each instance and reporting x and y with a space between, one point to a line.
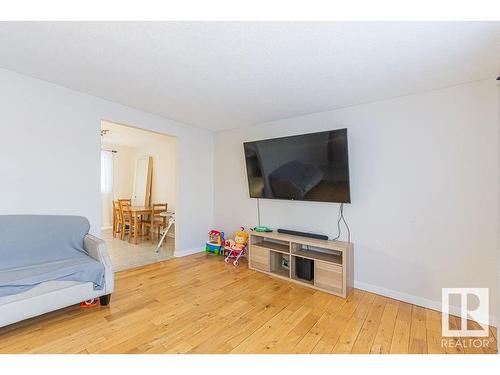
40 289
40 248
41 237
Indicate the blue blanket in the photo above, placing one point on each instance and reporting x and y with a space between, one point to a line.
39 248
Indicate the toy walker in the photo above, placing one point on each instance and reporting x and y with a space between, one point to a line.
215 243
236 248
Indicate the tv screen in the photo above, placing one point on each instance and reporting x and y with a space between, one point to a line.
309 167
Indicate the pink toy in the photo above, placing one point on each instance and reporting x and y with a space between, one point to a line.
236 248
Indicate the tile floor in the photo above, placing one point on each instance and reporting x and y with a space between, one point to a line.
125 255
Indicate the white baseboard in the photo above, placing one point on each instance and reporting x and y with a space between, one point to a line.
184 253
409 298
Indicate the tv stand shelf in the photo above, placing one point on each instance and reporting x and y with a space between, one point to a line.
275 254
316 255
281 248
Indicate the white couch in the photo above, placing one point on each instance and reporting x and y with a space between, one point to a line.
52 295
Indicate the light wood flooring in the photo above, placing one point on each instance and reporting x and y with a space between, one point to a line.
125 255
199 304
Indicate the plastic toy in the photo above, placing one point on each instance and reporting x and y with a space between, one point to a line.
236 248
215 243
90 303
261 229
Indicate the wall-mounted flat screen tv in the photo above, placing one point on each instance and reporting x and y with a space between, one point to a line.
308 167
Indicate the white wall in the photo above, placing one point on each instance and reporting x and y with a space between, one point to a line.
162 150
498 166
50 156
424 190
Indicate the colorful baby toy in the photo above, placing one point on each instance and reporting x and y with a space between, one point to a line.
236 248
215 243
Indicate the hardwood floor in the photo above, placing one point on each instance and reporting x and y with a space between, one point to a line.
125 255
199 304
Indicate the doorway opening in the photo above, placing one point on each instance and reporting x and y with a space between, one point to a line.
138 194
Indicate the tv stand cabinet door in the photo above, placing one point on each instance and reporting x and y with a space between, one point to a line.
328 276
260 259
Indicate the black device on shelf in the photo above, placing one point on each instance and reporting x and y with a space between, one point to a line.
304 268
303 234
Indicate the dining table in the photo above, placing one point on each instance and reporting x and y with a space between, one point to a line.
136 212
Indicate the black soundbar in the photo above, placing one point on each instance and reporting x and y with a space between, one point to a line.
303 234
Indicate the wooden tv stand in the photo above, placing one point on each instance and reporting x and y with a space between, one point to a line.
333 260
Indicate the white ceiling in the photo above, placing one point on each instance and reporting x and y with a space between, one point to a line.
221 75
128 136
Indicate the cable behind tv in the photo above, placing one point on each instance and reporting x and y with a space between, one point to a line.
342 218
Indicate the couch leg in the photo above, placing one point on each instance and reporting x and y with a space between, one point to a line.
104 300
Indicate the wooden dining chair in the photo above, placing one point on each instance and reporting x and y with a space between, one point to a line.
116 218
155 222
125 217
